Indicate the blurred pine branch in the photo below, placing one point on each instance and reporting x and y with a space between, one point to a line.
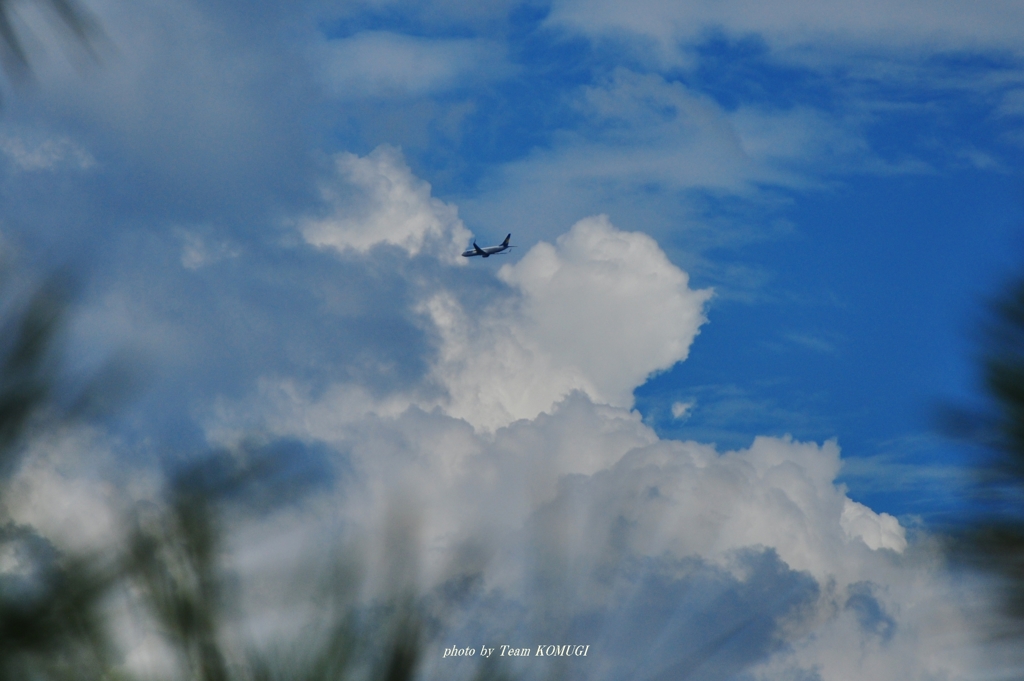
56 610
69 17
991 538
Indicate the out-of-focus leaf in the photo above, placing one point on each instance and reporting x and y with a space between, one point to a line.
27 373
54 620
992 536
69 16
51 624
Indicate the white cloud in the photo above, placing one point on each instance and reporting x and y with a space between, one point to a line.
582 509
196 252
50 154
682 410
57 492
598 311
828 25
379 63
377 200
878 531
609 302
586 501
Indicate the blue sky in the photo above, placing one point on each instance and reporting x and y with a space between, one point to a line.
849 277
753 247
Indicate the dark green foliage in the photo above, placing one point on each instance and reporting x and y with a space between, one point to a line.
26 368
30 339
1004 379
52 626
172 556
402 654
992 538
50 617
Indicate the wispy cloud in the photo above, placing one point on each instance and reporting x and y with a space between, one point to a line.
805 25
812 342
48 155
384 64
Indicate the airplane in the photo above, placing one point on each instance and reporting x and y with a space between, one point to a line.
489 251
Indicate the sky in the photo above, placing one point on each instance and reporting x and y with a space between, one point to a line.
753 247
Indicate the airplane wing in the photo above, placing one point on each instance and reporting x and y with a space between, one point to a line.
485 252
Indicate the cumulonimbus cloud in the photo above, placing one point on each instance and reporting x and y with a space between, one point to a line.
654 551
589 503
597 311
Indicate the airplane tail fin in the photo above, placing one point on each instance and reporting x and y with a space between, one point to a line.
505 242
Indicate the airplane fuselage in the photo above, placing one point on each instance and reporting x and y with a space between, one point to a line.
488 251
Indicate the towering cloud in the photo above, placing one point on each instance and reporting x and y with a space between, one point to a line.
529 477
598 311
